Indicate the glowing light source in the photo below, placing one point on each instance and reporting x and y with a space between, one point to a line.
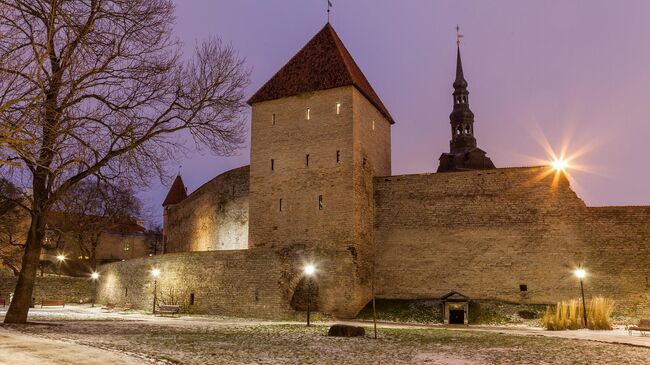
309 270
155 273
559 164
60 257
580 273
94 275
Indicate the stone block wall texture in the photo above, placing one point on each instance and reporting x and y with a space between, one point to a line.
485 233
294 164
213 217
67 288
236 282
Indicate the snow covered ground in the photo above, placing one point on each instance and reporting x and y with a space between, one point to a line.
137 338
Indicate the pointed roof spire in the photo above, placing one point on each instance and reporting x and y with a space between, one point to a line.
460 82
323 63
177 192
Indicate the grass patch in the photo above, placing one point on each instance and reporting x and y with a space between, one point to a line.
569 315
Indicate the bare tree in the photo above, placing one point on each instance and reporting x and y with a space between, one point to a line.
154 240
91 209
104 92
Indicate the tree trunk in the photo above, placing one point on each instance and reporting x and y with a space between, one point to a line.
19 307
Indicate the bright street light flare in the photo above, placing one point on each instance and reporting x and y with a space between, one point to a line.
310 269
94 275
155 273
60 257
580 273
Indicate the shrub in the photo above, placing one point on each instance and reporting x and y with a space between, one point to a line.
569 315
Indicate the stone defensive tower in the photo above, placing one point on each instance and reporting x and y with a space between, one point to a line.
319 135
463 152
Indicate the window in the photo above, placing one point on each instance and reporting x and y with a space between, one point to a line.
308 113
373 125
127 246
320 202
272 164
338 156
338 108
307 160
273 119
191 298
364 162
280 204
523 287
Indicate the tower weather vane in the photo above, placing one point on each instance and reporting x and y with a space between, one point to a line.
329 5
458 35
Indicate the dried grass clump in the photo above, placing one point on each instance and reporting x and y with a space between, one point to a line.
568 315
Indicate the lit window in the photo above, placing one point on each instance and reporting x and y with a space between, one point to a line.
338 108
273 119
308 113
127 246
373 125
320 202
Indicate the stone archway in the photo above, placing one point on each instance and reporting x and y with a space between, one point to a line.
307 288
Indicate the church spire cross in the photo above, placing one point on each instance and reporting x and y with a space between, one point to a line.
458 36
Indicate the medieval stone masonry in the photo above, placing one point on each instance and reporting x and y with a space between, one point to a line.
319 190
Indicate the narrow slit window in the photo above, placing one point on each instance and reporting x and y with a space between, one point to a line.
338 108
191 298
273 119
320 202
272 164
308 113
338 156
523 287
307 160
280 204
373 125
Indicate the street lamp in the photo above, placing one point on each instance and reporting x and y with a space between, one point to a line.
580 274
60 258
309 271
155 273
94 276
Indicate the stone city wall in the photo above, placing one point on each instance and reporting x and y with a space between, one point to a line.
237 282
512 234
51 287
214 217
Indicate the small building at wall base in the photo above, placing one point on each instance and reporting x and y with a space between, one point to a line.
319 190
455 308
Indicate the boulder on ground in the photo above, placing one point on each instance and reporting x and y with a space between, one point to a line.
344 330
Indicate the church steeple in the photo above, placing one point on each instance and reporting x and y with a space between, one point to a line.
461 118
463 152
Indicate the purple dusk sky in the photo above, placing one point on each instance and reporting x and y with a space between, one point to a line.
568 70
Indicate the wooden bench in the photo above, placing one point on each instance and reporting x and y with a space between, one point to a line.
643 327
3 302
52 303
168 309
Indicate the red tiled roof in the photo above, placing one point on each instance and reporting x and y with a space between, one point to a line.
177 192
323 63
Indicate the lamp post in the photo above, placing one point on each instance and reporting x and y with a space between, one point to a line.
309 271
155 273
580 274
60 258
94 276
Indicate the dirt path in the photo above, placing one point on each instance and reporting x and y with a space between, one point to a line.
17 348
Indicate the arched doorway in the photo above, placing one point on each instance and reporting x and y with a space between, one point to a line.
306 292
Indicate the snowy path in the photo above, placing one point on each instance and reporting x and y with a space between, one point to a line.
17 348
